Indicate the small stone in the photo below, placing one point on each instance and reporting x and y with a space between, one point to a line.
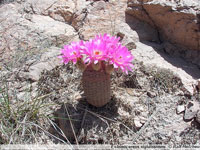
191 110
130 91
142 119
141 109
121 35
131 45
151 94
178 138
144 114
137 123
21 96
180 109
180 93
78 96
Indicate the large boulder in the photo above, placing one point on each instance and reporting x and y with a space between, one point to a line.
152 57
24 34
70 11
176 23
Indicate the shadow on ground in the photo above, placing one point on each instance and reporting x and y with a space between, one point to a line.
78 121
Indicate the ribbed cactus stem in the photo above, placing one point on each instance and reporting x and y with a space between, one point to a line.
96 86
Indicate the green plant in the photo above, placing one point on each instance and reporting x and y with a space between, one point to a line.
20 118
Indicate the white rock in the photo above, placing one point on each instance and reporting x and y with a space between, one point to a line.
123 113
180 109
142 119
144 114
141 108
137 123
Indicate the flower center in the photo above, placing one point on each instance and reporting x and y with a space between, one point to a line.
74 53
97 52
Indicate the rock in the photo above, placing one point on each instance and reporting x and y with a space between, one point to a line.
145 32
141 108
49 60
171 18
130 91
152 57
137 123
142 119
22 96
39 7
56 31
123 113
71 12
180 93
21 37
151 94
176 22
103 17
191 110
180 109
131 45
128 36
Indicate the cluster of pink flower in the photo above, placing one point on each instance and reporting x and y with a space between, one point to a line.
103 48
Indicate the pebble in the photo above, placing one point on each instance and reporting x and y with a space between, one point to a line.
142 119
180 109
130 91
151 94
180 93
137 123
141 109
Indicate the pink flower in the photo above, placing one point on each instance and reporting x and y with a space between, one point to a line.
95 51
121 58
104 48
111 41
72 52
99 48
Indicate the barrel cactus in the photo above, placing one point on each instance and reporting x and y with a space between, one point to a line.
98 58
